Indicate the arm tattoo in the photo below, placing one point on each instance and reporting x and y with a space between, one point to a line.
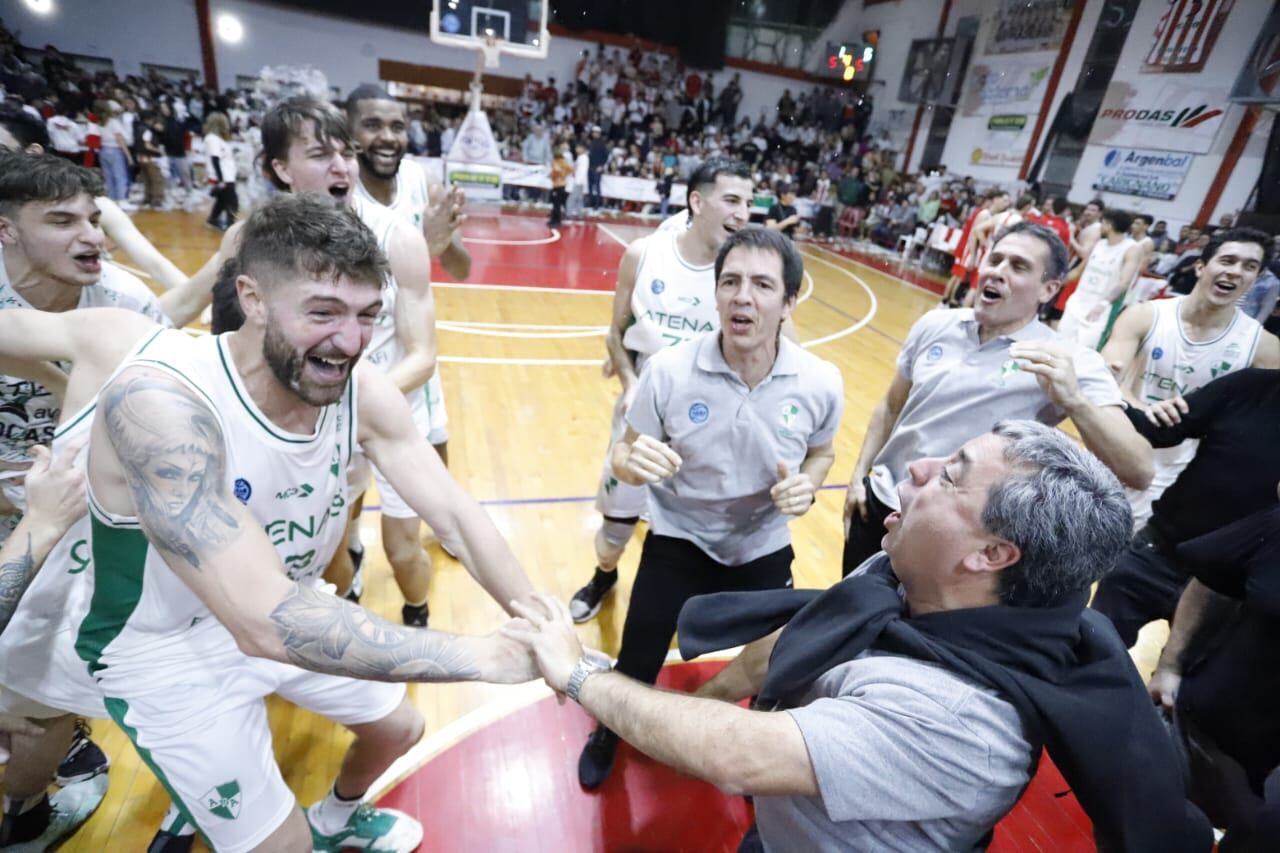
323 633
15 576
174 458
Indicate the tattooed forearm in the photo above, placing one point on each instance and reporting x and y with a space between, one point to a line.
324 633
15 577
174 458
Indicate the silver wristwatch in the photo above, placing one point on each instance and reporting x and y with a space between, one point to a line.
590 663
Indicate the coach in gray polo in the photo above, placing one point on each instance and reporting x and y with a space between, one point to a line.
733 432
962 371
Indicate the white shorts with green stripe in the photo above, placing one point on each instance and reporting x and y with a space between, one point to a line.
205 736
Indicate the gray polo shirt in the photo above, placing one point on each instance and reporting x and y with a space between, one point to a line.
960 388
730 439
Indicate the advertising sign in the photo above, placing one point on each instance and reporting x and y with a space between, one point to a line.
1157 112
1000 94
1145 173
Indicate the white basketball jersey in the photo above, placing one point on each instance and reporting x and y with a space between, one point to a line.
1099 273
384 350
1175 366
142 615
37 650
672 301
410 193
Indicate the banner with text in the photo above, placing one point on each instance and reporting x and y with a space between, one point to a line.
1153 110
1145 173
1001 95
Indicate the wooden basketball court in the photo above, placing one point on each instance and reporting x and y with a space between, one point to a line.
521 346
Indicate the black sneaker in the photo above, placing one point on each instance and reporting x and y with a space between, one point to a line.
415 615
84 759
586 602
596 762
167 842
357 577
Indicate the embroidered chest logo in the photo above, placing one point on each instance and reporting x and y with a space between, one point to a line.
1007 369
934 353
698 413
657 286
243 490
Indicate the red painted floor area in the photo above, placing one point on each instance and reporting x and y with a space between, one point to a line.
584 257
513 786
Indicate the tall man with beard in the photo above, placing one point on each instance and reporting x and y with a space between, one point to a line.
197 449
307 148
665 295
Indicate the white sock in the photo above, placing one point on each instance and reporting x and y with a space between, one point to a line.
331 814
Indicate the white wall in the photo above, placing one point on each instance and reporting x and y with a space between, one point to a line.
130 32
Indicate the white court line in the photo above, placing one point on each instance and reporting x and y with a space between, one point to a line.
808 290
849 330
606 229
517 288
484 241
890 275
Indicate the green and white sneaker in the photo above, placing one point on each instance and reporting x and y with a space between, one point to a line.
370 829
70 808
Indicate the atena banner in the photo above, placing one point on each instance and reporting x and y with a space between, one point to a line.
1172 116
1150 174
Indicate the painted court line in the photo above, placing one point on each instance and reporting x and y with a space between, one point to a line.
606 229
486 241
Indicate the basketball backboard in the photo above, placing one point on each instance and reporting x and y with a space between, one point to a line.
520 26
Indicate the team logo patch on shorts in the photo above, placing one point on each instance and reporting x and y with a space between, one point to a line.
243 490
223 800
658 285
698 413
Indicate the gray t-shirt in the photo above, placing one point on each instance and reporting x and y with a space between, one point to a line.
730 439
961 388
908 756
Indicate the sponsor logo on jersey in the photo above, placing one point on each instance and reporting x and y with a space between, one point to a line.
934 353
698 413
657 285
223 800
243 491
1157 354
295 491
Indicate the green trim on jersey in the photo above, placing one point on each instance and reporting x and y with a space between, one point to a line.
117 708
93 405
233 379
119 563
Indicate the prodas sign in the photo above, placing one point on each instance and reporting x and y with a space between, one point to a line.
1169 116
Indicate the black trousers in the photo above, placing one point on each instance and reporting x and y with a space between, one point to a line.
1144 586
671 572
864 536
225 201
558 195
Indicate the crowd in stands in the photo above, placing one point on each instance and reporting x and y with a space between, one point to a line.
633 113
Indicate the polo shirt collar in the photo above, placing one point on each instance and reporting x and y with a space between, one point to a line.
1032 331
711 359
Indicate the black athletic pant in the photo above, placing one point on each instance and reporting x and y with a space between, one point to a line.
864 536
558 195
225 201
1144 586
671 572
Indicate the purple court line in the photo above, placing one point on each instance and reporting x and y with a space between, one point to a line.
565 500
